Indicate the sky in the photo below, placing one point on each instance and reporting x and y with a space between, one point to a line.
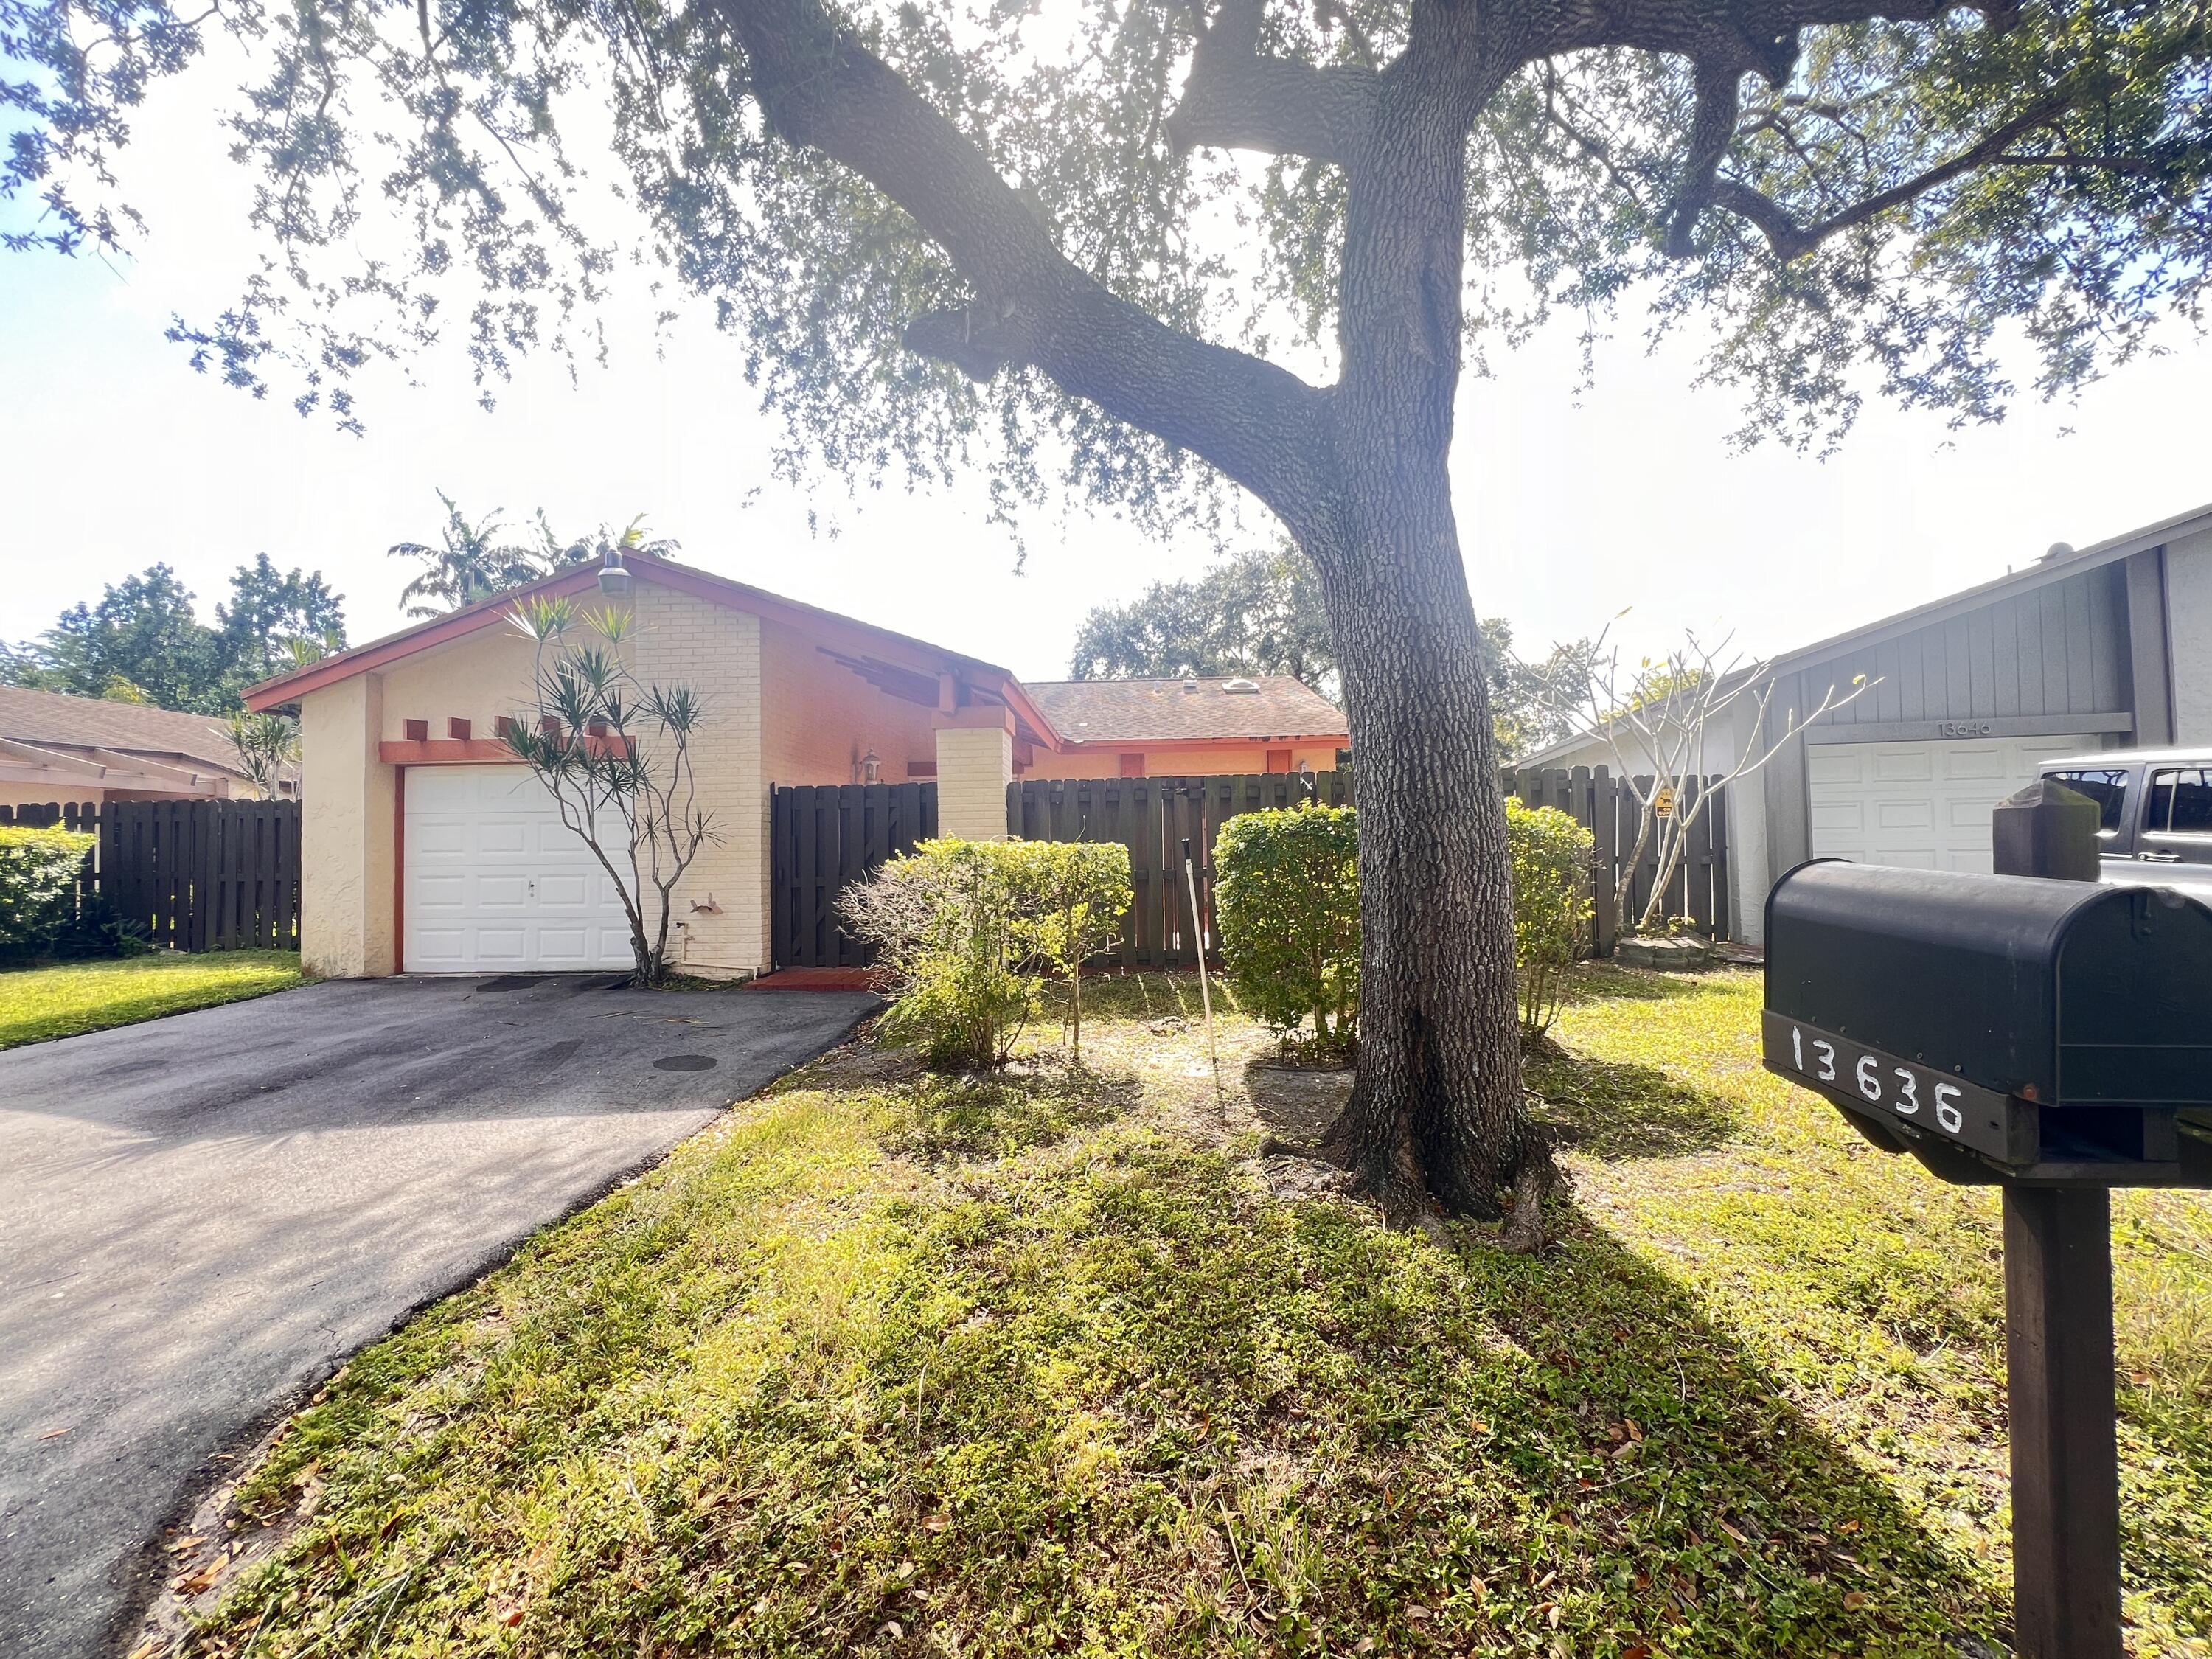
1574 504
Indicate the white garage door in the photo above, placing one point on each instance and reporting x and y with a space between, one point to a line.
1923 804
495 882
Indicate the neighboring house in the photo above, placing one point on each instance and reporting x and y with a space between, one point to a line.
2104 648
83 751
427 847
1162 728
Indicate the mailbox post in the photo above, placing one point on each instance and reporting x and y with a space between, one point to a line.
2058 1333
2046 1035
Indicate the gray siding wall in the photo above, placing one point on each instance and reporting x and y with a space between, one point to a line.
2062 649
2058 649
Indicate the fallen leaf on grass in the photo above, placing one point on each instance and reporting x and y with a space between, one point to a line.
1854 1599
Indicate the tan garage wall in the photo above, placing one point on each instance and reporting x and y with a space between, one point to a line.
477 679
347 832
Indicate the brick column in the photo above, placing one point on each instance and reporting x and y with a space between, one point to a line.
975 764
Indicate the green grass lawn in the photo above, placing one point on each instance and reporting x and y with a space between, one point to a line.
38 1003
898 1365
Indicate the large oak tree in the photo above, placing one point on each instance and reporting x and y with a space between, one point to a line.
1150 245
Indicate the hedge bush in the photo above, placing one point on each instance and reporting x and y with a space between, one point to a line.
1286 895
39 872
1552 905
964 930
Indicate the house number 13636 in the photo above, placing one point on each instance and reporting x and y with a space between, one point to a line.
1900 1090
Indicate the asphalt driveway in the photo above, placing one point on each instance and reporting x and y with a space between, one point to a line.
201 1216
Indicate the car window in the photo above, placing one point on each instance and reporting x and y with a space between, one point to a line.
2190 806
2107 787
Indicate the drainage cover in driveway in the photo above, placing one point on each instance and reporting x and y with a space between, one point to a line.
684 1063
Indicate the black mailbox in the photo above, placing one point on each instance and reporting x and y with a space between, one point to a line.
1999 1028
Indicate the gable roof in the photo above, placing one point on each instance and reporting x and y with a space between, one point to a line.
54 720
993 683
1182 711
2043 572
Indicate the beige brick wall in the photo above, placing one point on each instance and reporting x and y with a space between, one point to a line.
975 764
716 652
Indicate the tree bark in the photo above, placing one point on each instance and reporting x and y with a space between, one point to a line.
1437 1116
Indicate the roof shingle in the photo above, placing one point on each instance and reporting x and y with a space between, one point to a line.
1160 711
59 720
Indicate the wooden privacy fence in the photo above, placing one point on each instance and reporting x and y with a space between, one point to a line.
1153 818
197 875
822 837
1612 811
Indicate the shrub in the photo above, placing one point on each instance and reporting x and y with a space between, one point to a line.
98 929
963 930
1550 904
1286 894
1082 890
39 872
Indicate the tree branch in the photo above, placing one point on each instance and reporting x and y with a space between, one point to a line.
1712 126
1789 240
818 87
1236 99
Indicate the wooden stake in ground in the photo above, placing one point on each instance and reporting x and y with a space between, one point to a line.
1198 933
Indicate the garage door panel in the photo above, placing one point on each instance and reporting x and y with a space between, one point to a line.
1834 764
1919 806
495 881
1912 765
1974 764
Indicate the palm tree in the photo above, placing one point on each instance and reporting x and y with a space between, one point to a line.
474 564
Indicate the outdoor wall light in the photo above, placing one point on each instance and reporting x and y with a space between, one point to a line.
614 577
872 768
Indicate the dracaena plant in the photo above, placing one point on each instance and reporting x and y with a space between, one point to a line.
613 752
1179 255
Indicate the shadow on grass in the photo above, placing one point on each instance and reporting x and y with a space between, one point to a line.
1615 1110
1117 1395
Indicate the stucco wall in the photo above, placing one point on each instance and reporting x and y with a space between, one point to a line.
2189 635
477 679
1183 762
347 842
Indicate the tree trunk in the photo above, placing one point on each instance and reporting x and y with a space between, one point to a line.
1437 1113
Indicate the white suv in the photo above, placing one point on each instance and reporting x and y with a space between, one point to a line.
2156 830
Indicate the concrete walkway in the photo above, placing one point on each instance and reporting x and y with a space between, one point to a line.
201 1216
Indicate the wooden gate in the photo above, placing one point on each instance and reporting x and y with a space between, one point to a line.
822 837
197 875
1612 811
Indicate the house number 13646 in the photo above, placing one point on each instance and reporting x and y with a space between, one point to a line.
1903 1096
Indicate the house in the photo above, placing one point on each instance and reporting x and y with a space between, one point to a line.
83 751
427 848
2101 648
